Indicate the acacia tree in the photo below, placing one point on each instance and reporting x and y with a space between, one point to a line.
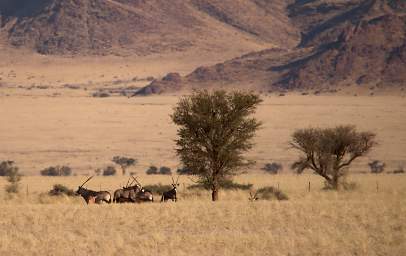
215 130
329 152
124 162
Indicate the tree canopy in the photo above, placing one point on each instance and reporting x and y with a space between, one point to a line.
329 152
215 130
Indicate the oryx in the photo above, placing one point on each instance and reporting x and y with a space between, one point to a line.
144 195
171 194
91 196
126 194
253 197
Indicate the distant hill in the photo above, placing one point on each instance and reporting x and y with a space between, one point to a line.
342 43
139 27
308 43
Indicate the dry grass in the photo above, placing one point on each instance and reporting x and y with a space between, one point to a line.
361 222
86 133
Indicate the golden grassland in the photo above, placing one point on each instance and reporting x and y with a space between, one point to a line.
85 133
365 221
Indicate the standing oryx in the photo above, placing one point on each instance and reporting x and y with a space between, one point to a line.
171 194
91 196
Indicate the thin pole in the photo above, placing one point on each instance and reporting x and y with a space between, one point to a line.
309 186
377 186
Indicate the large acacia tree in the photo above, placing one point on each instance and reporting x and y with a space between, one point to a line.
215 130
329 152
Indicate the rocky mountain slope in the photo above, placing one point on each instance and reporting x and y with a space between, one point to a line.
308 43
140 27
342 43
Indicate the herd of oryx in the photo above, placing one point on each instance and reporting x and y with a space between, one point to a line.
129 194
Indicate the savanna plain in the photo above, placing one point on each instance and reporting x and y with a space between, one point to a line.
37 131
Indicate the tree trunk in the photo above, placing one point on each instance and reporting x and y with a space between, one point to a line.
214 194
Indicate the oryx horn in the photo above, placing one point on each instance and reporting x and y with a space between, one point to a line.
136 181
86 181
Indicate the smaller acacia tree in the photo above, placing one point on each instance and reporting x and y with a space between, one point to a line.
215 130
329 152
124 162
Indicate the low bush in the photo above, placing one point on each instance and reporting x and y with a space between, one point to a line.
152 170
270 193
158 188
377 166
165 170
6 167
109 171
60 189
399 170
12 175
101 95
184 171
273 168
344 185
227 185
57 171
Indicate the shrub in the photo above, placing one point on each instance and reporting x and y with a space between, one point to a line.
272 168
6 167
226 184
13 177
343 185
109 171
377 166
57 171
152 170
98 171
165 170
184 171
60 189
269 193
158 188
399 170
101 95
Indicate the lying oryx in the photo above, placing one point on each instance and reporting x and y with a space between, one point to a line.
126 194
144 195
171 194
91 196
133 194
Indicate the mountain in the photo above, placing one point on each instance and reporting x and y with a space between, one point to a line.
141 27
342 43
